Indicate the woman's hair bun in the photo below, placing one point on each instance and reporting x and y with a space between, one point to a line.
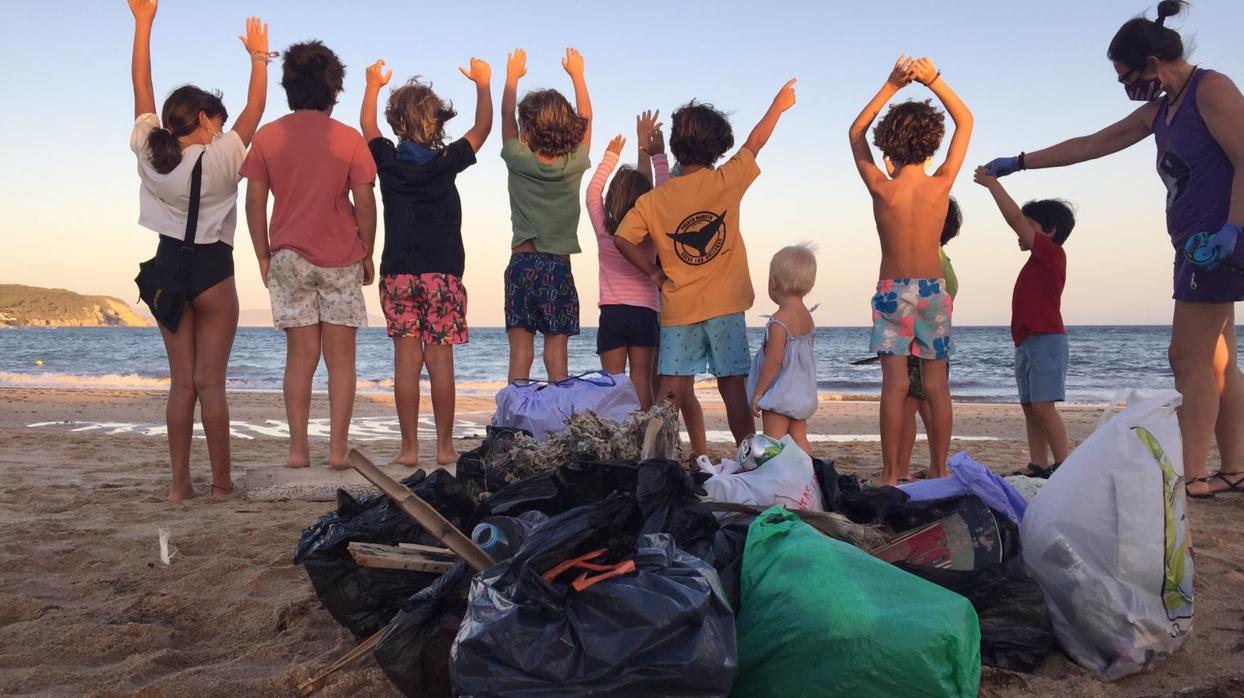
1170 8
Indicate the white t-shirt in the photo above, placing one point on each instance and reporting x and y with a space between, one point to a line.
163 199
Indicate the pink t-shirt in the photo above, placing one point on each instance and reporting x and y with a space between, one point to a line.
621 283
310 162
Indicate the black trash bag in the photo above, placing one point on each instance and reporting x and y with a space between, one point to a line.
1016 632
830 482
664 629
728 544
502 536
541 492
473 470
915 514
414 652
871 505
669 497
363 599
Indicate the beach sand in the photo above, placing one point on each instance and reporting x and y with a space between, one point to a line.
87 608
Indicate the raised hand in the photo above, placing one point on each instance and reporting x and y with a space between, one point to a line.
785 98
645 123
1001 167
144 10
256 38
616 145
656 141
923 71
900 75
573 63
479 73
515 65
377 77
983 178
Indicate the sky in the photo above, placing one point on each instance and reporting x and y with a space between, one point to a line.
1033 73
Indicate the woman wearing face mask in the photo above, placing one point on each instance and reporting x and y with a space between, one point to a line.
190 129
1197 119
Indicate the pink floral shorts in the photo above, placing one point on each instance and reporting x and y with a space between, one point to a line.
431 307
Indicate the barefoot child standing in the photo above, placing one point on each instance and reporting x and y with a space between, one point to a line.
911 309
1041 350
421 268
705 287
545 149
782 382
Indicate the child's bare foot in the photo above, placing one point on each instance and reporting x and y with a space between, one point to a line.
446 455
409 457
338 459
299 457
178 494
222 490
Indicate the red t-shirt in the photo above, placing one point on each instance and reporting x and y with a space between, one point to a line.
310 162
1037 301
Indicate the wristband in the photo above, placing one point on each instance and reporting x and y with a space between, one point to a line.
935 77
1022 165
265 56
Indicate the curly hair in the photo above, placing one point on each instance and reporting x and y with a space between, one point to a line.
1054 216
910 132
416 114
549 124
312 76
699 134
625 189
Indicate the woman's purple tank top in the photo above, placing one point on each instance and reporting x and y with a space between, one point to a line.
1197 173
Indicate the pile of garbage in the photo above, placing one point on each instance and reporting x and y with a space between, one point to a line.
768 574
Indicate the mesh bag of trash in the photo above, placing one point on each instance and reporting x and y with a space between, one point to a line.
414 651
363 599
822 617
586 606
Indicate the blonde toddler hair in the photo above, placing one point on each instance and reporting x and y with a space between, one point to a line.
793 269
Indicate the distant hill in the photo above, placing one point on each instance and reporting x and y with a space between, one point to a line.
30 306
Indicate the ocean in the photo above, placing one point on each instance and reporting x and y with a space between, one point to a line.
1104 361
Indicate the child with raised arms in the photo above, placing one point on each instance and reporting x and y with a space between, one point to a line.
693 220
545 148
911 308
629 330
1042 354
421 268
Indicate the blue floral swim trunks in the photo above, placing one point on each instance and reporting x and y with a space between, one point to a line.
911 317
540 294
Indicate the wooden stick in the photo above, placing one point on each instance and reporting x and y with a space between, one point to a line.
429 549
308 687
432 522
391 557
648 451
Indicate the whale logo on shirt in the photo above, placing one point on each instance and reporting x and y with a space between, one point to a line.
700 237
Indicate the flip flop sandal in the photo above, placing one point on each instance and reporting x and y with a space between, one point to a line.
1237 486
1034 470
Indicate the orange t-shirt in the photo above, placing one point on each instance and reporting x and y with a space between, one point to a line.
310 162
694 222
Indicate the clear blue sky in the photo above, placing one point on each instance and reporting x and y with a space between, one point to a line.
1032 72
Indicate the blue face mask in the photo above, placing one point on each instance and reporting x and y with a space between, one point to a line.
413 152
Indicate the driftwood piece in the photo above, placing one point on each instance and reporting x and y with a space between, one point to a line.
833 525
430 519
392 557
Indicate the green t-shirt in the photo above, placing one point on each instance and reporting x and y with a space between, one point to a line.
544 198
948 275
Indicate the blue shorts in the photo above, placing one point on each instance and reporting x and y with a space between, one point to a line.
1041 368
540 295
717 345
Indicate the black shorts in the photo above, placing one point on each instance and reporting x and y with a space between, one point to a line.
915 378
627 326
212 263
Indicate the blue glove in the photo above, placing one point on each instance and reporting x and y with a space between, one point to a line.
1207 250
1001 167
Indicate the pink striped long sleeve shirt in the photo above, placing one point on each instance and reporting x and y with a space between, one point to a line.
620 282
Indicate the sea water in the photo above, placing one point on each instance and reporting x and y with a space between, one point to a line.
1104 360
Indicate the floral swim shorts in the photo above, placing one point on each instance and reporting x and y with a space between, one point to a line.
430 306
540 294
911 317
304 294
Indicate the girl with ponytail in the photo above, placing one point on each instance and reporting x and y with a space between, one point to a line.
186 143
1195 116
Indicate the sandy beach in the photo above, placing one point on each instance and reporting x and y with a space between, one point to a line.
87 607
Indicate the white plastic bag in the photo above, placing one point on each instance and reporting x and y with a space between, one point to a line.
1107 539
544 408
785 479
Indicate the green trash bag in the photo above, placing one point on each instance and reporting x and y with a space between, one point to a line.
820 617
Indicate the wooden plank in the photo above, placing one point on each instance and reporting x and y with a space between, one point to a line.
430 549
391 557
